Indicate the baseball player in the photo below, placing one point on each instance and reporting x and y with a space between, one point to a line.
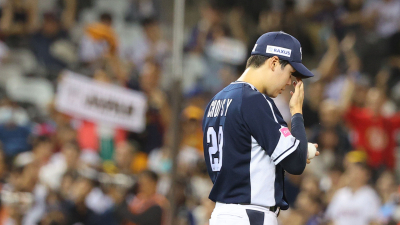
247 144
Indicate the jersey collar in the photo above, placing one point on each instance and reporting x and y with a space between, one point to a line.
243 82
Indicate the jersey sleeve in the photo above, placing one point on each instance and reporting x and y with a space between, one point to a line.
259 118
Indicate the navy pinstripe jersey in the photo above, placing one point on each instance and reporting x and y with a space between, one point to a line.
245 138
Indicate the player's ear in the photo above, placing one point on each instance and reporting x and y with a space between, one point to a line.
273 62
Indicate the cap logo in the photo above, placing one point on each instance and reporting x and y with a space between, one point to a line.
301 54
254 49
279 50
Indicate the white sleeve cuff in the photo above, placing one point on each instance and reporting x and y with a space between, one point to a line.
284 148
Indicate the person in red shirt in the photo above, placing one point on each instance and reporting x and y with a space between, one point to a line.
393 127
371 132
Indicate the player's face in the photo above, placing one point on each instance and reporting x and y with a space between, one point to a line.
283 79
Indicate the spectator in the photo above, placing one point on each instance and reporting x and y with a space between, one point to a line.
74 207
152 47
59 164
53 217
312 104
19 19
44 42
386 15
128 159
42 150
357 203
328 71
393 79
70 10
211 16
190 151
140 10
387 190
160 160
332 138
192 132
350 17
31 207
331 183
14 128
148 207
64 135
158 112
310 208
369 125
268 21
224 47
184 213
99 40
66 183
310 186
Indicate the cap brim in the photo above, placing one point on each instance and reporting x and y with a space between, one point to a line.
301 70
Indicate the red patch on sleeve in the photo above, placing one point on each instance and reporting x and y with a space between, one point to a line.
285 131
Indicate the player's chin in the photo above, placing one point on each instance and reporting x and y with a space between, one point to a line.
274 94
278 93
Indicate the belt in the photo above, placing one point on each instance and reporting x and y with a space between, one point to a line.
272 208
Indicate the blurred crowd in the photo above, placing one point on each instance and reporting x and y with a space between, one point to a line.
60 169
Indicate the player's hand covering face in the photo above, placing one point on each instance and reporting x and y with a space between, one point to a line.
296 102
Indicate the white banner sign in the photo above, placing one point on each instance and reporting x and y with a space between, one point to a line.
100 102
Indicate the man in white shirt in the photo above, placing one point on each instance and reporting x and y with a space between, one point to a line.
386 13
357 203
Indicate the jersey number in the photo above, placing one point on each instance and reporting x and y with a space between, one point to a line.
215 147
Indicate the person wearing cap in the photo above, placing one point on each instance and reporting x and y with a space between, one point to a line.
247 144
357 203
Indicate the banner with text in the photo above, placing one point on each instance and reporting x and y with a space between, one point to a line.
86 98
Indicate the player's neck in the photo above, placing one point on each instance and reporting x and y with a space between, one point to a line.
252 76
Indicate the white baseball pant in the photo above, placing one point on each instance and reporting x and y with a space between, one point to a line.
235 214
